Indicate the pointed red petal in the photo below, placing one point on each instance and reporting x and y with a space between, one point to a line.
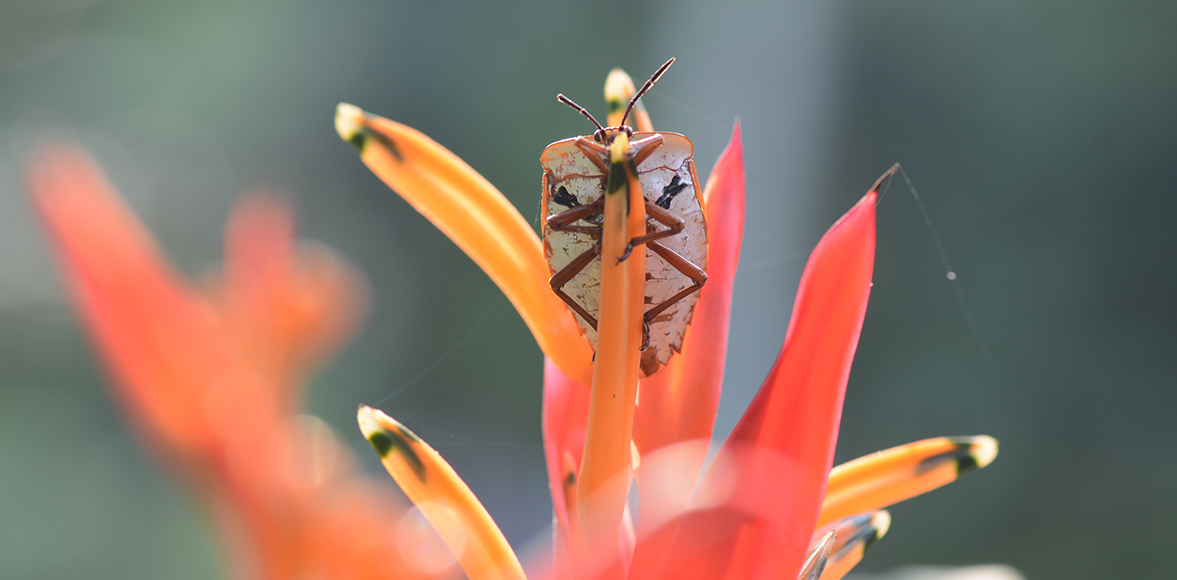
565 422
154 332
677 406
565 426
758 503
289 305
679 403
199 380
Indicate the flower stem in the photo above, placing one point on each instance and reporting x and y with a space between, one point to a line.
605 471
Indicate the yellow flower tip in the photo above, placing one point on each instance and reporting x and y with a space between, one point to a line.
387 436
982 452
368 418
618 90
349 123
881 522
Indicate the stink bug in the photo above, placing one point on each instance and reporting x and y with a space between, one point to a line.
576 172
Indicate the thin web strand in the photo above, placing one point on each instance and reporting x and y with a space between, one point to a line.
445 355
704 117
949 272
458 440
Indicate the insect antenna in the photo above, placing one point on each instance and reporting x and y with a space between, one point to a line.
645 87
560 97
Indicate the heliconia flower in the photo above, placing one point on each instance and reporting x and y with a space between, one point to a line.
769 505
210 376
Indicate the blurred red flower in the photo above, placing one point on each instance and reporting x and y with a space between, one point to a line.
211 377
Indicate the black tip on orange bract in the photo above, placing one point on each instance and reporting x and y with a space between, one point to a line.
357 140
388 143
382 442
968 453
386 442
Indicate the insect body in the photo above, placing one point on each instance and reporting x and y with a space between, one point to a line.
576 172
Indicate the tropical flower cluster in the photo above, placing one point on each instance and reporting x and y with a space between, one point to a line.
769 505
210 375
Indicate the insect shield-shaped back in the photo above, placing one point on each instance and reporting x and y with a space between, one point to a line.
576 171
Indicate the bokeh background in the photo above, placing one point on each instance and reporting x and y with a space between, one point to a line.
1041 137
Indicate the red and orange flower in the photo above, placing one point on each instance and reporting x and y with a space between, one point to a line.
211 376
769 505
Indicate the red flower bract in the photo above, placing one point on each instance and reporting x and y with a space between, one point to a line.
741 519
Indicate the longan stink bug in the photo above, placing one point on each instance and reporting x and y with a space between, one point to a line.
576 172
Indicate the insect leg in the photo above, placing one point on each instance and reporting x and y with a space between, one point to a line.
645 87
643 148
568 273
562 222
595 152
686 268
663 216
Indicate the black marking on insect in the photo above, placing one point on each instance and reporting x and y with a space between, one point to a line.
564 198
672 189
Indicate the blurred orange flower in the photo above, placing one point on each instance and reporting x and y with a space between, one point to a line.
211 377
763 508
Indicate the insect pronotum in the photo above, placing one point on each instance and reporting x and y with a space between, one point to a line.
576 171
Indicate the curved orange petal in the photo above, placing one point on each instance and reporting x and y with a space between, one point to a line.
853 536
358 531
478 218
677 406
889 477
758 503
442 497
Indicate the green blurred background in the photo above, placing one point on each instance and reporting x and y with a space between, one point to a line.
1042 137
